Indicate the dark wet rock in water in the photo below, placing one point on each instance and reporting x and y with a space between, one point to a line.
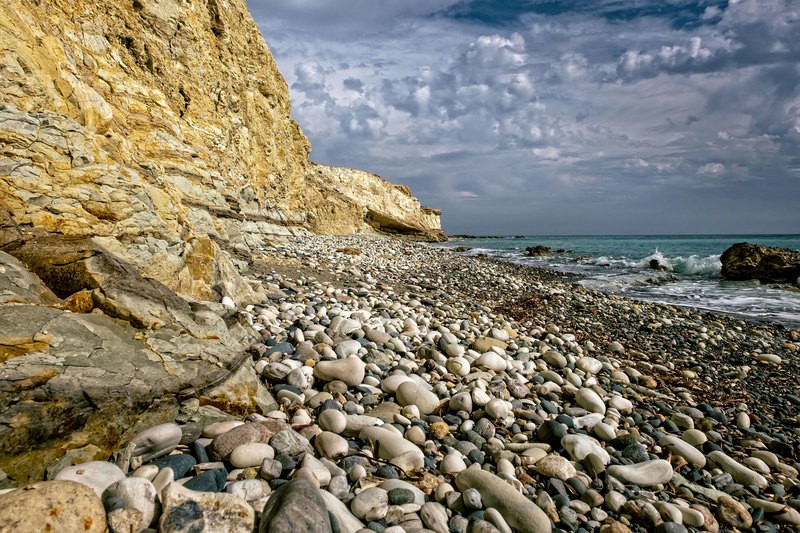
538 251
295 506
744 261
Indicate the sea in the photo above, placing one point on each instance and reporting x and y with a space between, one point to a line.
621 265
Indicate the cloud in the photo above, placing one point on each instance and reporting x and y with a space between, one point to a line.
711 169
613 108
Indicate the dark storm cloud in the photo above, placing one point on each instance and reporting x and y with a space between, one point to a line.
556 117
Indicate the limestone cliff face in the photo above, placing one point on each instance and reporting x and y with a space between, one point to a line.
163 128
360 202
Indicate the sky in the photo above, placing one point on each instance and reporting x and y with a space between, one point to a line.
550 117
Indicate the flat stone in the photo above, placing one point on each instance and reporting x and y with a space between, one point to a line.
452 463
434 515
346 521
157 441
695 437
580 446
179 463
332 420
290 443
216 429
248 489
186 511
316 468
458 366
518 511
497 408
734 514
555 466
208 481
491 361
124 520
224 445
391 444
590 365
646 474
295 506
484 344
98 475
56 506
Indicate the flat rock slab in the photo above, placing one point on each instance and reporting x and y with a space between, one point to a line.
67 377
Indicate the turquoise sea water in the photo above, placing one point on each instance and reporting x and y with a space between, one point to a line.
620 265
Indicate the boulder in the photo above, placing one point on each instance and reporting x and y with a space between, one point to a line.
744 261
69 377
52 506
538 251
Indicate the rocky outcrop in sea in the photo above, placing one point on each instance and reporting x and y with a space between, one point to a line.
745 261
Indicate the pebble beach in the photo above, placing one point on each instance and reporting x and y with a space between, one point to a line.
419 389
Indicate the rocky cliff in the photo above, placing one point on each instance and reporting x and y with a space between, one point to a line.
146 150
163 127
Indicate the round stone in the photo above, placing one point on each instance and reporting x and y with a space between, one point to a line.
251 454
331 445
452 463
590 400
497 408
491 361
332 420
458 366
370 504
98 475
411 393
31 508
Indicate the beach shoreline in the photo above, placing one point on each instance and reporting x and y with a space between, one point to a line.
418 389
590 314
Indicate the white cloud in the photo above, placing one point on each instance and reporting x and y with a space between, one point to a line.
711 169
549 153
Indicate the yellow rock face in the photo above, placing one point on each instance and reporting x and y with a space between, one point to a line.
164 126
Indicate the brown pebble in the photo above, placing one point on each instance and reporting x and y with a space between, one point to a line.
732 513
615 527
439 430
711 525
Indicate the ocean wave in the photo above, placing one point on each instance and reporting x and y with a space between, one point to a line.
692 265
